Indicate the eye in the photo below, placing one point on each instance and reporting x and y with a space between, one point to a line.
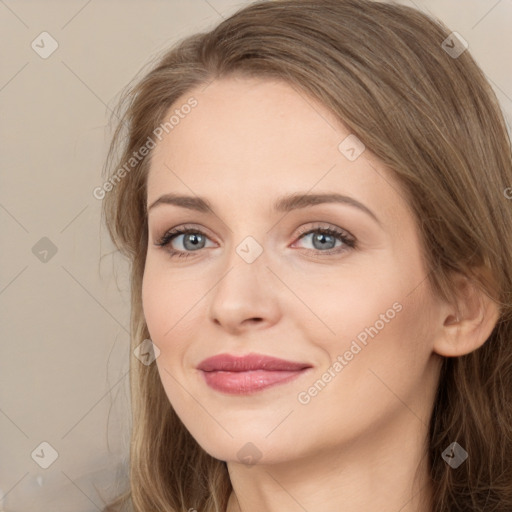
193 240
324 239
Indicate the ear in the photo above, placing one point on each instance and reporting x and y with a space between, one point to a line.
467 324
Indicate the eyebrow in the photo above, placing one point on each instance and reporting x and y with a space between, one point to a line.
286 203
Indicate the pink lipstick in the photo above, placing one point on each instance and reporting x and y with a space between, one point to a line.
250 373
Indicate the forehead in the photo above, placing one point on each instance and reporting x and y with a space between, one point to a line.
254 118
253 140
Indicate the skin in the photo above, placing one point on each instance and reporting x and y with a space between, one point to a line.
359 444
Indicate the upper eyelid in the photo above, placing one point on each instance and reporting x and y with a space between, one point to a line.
326 226
301 229
185 227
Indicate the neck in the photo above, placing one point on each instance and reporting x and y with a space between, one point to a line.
379 471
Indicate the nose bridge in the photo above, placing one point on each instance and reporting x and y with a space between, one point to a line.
244 292
247 266
248 241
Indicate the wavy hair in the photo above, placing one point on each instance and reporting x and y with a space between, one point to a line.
386 72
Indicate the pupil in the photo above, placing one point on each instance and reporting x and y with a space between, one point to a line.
193 238
321 237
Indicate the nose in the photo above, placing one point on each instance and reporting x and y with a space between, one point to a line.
246 296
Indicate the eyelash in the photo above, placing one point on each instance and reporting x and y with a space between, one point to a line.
348 241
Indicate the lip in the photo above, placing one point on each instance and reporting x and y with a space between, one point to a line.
249 373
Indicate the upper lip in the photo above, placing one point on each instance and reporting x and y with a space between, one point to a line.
230 363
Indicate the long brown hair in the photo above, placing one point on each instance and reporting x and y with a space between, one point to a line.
388 73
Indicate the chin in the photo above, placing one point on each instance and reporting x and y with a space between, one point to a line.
250 450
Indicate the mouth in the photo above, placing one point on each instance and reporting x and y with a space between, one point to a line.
250 373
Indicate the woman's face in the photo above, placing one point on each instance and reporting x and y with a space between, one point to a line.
352 304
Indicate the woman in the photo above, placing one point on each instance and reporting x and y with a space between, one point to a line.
312 196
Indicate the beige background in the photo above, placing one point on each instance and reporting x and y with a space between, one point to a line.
64 352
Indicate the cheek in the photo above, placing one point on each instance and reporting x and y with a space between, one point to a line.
153 301
171 305
380 352
347 301
171 308
377 315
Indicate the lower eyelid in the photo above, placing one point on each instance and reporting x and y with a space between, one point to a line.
345 245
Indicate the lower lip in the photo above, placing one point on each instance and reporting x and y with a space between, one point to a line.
242 383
